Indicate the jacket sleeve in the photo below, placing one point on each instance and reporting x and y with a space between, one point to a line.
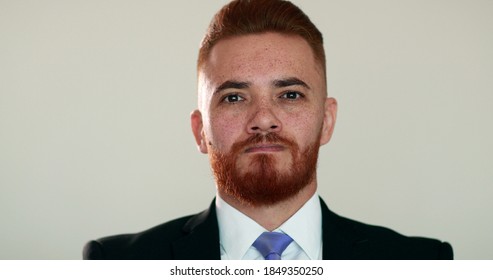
446 252
93 250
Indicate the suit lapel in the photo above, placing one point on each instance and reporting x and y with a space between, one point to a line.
340 240
201 237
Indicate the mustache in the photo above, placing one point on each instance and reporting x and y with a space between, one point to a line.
269 138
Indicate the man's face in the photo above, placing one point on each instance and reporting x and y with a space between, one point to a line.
263 113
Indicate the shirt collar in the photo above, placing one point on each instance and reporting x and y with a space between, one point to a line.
237 231
305 227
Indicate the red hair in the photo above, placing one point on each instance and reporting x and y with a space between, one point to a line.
243 17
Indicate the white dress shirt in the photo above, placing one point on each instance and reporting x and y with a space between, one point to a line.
237 232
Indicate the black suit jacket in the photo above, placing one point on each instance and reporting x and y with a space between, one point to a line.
197 238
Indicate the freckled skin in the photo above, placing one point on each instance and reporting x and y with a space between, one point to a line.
259 60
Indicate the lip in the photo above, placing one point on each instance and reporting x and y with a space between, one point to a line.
265 148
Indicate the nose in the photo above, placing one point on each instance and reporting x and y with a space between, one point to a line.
264 120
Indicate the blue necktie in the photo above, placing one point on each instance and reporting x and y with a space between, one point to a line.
272 244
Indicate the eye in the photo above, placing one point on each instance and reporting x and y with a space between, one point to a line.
292 95
232 98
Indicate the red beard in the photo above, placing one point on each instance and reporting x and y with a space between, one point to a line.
264 184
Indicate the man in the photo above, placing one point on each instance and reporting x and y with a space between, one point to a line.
263 115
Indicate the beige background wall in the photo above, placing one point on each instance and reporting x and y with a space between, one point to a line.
95 138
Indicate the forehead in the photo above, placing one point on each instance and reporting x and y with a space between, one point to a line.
266 55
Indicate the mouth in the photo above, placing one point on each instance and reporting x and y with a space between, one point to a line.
265 148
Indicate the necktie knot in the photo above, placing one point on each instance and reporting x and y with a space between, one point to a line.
272 244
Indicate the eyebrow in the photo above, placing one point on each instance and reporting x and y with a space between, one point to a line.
280 83
289 82
231 84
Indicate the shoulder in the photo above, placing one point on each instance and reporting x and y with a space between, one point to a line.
189 237
357 240
153 243
384 243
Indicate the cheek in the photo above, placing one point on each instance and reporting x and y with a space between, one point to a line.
225 129
304 126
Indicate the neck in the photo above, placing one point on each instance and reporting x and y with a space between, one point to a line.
273 216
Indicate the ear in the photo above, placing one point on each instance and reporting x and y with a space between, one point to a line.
198 131
329 120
